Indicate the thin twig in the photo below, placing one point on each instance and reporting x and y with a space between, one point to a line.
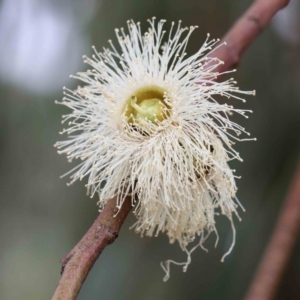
279 249
77 264
245 30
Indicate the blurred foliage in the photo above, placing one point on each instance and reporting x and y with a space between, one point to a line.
42 219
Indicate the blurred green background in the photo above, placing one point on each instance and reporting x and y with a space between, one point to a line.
41 43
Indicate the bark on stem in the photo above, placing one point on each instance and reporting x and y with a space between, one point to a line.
245 30
279 249
77 264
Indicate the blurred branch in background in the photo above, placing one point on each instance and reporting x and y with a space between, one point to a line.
77 264
280 247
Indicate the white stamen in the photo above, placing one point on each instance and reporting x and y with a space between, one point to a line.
178 170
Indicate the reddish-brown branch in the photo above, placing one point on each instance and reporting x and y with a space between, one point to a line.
280 247
245 30
77 264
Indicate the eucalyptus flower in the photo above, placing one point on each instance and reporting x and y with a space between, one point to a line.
147 124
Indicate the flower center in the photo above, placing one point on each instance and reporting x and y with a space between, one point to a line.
151 109
146 105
